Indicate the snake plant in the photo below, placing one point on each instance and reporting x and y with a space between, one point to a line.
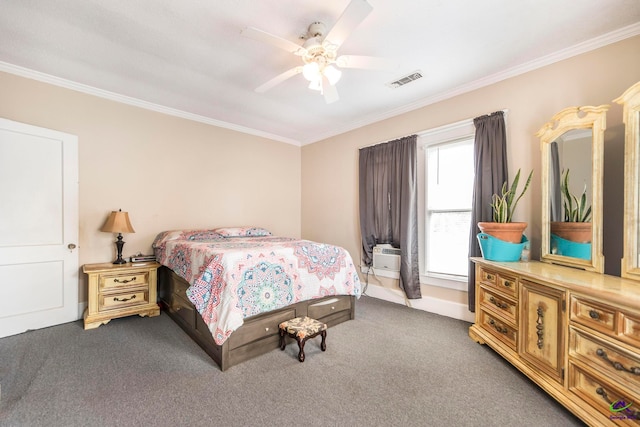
575 209
505 203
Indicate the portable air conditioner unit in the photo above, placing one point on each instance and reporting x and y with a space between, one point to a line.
386 257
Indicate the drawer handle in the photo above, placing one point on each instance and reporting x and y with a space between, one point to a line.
498 304
507 283
540 327
125 280
617 365
124 299
266 329
333 308
498 328
490 277
594 314
619 405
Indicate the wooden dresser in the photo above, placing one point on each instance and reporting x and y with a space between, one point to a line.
118 290
574 333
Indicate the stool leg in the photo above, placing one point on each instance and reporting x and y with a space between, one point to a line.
301 352
323 344
282 340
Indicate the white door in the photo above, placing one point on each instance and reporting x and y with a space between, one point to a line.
38 227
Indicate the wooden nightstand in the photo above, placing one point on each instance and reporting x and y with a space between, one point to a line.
118 290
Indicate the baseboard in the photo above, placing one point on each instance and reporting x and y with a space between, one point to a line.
429 304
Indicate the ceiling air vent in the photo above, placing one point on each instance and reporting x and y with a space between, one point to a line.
406 79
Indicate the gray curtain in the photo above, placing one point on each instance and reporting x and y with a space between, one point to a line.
490 163
554 185
389 205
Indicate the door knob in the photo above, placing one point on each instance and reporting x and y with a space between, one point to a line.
71 246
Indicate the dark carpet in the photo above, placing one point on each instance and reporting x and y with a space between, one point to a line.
391 366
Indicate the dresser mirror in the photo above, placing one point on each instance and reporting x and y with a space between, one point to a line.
572 175
631 113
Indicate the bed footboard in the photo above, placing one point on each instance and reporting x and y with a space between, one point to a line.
258 334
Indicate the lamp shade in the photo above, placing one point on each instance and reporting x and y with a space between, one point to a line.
118 222
332 74
311 71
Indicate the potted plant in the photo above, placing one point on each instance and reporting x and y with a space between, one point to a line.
503 206
576 226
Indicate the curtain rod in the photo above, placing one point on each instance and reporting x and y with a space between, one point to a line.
438 129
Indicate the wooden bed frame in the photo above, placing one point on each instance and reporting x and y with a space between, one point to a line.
258 335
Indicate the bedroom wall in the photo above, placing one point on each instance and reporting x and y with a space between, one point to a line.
167 172
330 201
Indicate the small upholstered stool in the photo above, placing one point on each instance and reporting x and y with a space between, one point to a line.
303 328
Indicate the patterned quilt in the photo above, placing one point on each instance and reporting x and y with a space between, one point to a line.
247 271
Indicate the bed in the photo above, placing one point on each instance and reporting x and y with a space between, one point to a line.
229 288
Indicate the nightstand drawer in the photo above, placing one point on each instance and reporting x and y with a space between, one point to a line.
128 280
122 300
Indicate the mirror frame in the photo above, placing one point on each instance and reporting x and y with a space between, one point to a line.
630 99
586 117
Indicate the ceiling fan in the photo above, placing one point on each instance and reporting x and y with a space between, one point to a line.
319 52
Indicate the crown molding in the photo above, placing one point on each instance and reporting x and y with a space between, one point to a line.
575 50
90 90
580 48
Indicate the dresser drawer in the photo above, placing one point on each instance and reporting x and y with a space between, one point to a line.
597 316
499 328
327 307
621 366
492 301
604 396
125 280
262 327
122 300
499 281
630 332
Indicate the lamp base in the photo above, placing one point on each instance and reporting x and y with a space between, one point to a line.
119 246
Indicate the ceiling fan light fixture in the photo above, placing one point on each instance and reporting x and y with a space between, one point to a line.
316 85
311 71
332 74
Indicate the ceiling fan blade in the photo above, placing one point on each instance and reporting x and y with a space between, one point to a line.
352 16
367 62
278 79
263 36
330 92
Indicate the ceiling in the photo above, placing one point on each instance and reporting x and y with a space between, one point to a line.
189 59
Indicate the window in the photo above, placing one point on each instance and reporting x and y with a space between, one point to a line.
449 193
445 178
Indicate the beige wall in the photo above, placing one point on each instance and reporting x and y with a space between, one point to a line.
170 172
167 172
329 167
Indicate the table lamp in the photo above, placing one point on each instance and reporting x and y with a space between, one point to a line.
118 222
